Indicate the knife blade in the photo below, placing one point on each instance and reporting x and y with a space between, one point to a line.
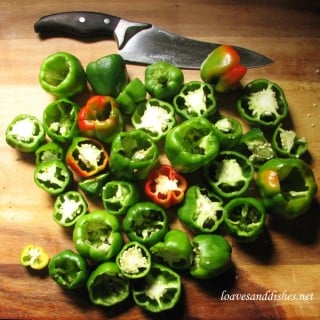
139 43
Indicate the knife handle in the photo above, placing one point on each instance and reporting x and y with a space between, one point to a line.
78 23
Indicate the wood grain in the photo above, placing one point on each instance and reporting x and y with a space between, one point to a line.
285 262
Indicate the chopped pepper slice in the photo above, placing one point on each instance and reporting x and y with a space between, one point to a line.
69 269
118 196
107 286
287 187
254 145
229 174
131 96
263 103
159 290
222 68
97 236
49 151
195 99
52 176
175 250
25 133
62 75
86 156
93 186
165 187
191 145
212 256
201 211
228 130
60 120
34 257
68 208
100 118
133 155
146 223
108 75
163 80
244 218
286 143
155 117
134 260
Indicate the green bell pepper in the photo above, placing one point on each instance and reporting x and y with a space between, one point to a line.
163 80
97 236
262 104
133 154
131 96
60 120
134 260
52 176
201 211
212 256
25 133
107 286
49 151
229 174
118 196
159 290
175 250
92 186
69 207
254 145
195 99
100 118
155 117
191 145
228 130
69 269
146 223
286 143
244 218
62 75
287 187
108 75
86 156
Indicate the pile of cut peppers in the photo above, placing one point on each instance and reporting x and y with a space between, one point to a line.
109 149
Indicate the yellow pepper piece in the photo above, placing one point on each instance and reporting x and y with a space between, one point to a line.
34 257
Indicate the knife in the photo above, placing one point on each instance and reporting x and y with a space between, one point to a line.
139 43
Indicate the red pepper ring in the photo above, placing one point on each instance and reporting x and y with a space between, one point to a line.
165 187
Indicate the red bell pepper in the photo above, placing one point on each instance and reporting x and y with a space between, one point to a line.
100 118
222 68
165 186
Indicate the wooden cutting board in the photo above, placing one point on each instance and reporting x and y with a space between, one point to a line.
275 278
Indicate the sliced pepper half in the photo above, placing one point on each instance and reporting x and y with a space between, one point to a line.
155 117
69 207
201 211
25 133
191 145
244 218
146 223
229 174
165 186
134 260
287 187
86 156
34 257
195 99
100 118
263 103
159 290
